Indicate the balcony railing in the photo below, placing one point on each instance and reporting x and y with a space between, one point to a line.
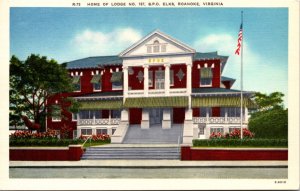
106 121
217 120
157 92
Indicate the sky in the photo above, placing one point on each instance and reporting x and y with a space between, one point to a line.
67 34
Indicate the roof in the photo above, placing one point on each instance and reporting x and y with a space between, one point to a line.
210 56
100 96
203 92
94 62
161 34
231 80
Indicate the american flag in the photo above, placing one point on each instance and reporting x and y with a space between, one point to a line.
240 37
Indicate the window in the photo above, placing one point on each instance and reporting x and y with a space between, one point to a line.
201 130
203 111
76 83
101 131
89 114
156 46
206 76
117 80
216 130
86 132
56 113
149 49
159 79
150 77
171 77
96 81
233 112
74 116
115 113
206 81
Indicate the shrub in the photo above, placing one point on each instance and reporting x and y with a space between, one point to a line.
270 124
240 143
235 134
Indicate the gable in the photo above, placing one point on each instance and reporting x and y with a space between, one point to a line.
156 43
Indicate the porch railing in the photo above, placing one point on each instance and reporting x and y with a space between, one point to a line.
216 120
105 121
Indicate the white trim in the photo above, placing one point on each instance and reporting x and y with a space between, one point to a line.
159 33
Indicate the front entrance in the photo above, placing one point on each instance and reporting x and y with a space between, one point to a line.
155 116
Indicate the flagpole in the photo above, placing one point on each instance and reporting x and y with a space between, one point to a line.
242 44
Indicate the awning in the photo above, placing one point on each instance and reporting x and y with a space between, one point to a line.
116 77
156 102
96 79
206 73
75 79
101 104
222 102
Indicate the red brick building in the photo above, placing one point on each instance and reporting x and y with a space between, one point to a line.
158 81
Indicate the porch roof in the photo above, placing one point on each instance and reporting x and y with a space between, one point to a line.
102 104
222 102
156 102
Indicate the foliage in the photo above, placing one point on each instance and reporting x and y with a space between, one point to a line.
270 124
240 143
29 135
271 119
32 82
65 132
98 137
235 134
267 102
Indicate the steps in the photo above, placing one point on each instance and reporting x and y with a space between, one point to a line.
154 135
131 153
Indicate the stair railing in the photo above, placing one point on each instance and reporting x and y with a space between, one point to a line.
89 138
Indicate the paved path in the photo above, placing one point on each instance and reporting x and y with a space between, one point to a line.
147 163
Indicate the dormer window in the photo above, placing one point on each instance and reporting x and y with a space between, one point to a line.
206 76
156 46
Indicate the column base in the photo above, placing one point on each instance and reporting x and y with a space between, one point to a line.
145 124
166 124
109 131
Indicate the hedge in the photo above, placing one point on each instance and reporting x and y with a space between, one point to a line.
240 143
49 142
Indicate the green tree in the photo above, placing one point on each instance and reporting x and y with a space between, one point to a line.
32 82
271 119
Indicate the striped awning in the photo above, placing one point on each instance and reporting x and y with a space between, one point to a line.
96 79
206 73
116 77
101 104
222 102
156 102
75 79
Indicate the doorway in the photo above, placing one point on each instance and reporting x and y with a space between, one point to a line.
155 116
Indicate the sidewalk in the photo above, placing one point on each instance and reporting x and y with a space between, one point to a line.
147 164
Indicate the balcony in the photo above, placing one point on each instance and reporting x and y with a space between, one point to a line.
157 92
98 122
218 120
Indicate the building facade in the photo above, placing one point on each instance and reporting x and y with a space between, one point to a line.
158 81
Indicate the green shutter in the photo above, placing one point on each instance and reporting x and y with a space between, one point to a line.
101 104
206 73
96 79
116 77
75 79
221 102
156 102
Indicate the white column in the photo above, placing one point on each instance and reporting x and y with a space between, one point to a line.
146 80
207 116
246 115
109 117
226 115
189 78
145 124
166 123
125 83
109 131
124 115
167 79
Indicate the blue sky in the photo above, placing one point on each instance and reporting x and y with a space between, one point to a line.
67 34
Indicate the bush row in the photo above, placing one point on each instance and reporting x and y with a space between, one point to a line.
50 142
240 143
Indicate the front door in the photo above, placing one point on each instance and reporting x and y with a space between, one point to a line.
155 116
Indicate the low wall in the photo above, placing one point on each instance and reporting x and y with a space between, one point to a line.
188 153
71 153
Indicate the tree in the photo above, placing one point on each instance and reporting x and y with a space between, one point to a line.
271 119
32 82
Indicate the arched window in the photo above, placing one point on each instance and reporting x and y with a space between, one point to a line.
156 46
